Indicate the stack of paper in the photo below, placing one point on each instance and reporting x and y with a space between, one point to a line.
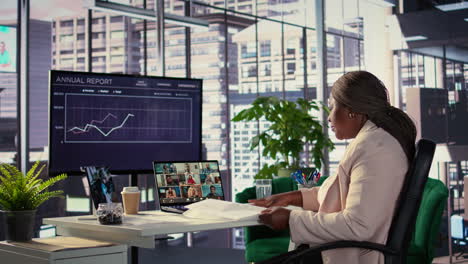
218 209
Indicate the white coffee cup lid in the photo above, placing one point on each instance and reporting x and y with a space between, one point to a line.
130 189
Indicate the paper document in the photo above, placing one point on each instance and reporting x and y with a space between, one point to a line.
218 209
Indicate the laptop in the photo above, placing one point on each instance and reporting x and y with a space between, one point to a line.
185 182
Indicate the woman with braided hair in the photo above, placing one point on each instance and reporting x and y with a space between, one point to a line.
358 202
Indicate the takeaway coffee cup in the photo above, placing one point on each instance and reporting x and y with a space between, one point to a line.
131 199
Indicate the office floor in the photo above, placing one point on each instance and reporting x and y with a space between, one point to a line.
179 255
209 247
444 260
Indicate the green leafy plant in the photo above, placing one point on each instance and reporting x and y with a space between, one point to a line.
20 192
292 127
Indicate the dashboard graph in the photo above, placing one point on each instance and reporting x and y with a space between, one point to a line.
127 119
77 130
121 121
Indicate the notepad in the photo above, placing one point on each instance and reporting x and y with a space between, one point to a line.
217 209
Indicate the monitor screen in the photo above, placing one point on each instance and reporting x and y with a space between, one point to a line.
182 183
7 49
124 122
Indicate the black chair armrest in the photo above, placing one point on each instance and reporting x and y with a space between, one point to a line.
341 244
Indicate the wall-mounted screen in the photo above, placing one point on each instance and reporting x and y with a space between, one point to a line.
124 122
7 49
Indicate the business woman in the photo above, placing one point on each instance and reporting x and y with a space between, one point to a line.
358 202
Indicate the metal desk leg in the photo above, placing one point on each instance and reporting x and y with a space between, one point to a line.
189 239
134 255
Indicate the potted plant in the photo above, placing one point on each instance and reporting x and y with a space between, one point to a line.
20 195
292 126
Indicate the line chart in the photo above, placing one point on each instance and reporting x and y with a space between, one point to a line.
77 130
127 119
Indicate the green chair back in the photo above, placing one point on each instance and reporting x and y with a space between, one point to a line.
428 223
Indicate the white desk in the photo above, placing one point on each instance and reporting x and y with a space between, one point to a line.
139 230
27 252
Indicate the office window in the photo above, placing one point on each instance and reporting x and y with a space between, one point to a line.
119 34
291 46
429 72
266 70
351 54
116 19
248 50
291 68
265 48
99 49
98 21
249 71
117 50
66 52
67 23
117 59
66 38
66 62
98 35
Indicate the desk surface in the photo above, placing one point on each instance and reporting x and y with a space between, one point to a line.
142 227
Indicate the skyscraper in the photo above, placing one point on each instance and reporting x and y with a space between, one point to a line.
115 44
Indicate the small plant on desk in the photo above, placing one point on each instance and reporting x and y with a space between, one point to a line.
20 195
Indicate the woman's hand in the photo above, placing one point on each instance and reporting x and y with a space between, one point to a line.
276 218
282 199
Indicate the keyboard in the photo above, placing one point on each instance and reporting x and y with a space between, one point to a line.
178 209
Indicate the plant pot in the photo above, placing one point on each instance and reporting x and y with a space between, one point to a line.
285 172
20 225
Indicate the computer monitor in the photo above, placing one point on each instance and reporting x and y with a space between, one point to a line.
183 183
123 122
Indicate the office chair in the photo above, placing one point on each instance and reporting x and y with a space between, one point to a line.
401 230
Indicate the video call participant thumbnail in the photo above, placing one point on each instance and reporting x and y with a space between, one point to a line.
192 179
207 178
191 191
169 192
172 180
213 194
165 168
207 169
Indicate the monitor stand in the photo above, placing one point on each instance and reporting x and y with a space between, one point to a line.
133 179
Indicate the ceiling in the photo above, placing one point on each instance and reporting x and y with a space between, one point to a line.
439 27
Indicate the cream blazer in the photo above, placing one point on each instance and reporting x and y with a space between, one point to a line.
358 202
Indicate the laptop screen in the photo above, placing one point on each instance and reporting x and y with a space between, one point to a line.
182 183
